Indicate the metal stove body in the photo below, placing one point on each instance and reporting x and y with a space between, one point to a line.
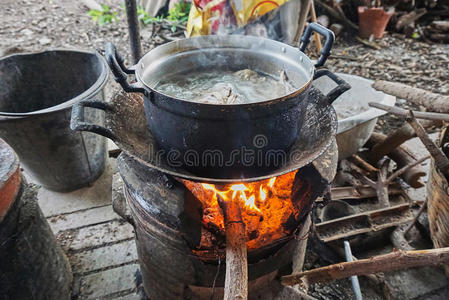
167 222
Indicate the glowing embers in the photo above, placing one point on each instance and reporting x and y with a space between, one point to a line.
268 210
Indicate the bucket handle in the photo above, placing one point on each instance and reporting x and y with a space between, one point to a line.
342 86
329 39
77 122
118 69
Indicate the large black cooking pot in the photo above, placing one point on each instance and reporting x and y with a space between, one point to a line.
226 140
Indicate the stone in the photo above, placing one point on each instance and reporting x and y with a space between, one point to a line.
44 41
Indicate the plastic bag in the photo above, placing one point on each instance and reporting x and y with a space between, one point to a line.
224 16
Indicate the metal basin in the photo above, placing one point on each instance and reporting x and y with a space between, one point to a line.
354 130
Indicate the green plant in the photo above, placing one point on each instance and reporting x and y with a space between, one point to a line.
179 12
104 16
177 15
145 18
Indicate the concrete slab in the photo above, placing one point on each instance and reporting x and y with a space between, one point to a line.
83 218
108 282
97 235
104 257
416 283
99 194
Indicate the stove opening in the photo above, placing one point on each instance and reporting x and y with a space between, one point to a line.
272 209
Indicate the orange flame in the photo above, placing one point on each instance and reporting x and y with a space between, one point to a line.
246 193
266 205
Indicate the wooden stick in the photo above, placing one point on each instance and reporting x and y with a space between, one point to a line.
236 280
399 153
300 249
304 12
415 219
431 101
387 144
381 185
299 253
406 168
396 260
317 36
441 161
368 43
404 113
362 163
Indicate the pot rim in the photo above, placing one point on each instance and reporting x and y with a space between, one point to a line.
140 66
92 90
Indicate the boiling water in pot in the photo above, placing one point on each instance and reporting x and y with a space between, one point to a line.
225 87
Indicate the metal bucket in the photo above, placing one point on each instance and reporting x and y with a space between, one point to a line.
37 92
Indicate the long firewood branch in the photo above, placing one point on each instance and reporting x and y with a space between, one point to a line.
431 101
236 280
397 260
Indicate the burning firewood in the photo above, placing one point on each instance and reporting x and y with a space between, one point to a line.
236 281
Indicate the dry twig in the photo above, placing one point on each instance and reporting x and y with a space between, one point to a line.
382 183
404 113
441 161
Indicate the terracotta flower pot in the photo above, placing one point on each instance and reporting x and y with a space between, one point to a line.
373 21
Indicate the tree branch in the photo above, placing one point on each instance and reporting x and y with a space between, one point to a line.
431 101
441 161
406 168
396 260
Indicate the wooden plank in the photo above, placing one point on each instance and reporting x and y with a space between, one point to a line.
108 282
99 194
104 257
82 218
97 235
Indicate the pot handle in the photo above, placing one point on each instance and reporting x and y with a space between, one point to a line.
329 38
77 122
342 86
118 69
